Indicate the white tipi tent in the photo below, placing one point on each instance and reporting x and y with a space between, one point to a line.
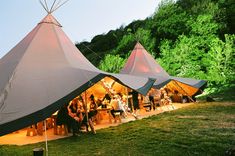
44 71
141 63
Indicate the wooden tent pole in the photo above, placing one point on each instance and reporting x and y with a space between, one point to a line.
127 101
86 107
45 128
113 83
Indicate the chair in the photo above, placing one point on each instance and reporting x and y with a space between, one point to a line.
40 128
147 104
61 130
117 117
31 130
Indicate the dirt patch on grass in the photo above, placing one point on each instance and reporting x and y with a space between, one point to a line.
221 103
192 117
226 125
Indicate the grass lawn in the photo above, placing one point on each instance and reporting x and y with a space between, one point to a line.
200 129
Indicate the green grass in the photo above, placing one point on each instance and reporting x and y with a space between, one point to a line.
200 129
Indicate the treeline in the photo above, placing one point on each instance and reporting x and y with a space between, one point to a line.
188 38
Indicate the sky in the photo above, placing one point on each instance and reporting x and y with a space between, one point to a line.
81 19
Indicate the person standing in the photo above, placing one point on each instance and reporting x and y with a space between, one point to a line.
135 103
87 118
73 116
152 93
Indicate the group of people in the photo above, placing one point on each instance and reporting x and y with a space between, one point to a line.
116 102
76 114
120 105
157 98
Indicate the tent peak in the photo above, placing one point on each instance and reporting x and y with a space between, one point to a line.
138 46
54 6
50 20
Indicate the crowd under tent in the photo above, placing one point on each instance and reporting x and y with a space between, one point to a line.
141 63
44 71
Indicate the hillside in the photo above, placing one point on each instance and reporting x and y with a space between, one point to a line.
188 38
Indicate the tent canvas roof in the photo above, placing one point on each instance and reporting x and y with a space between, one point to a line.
141 63
44 71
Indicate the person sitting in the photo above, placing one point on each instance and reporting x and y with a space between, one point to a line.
165 99
177 97
74 118
106 97
63 117
115 106
121 103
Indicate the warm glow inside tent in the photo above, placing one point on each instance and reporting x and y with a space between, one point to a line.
99 90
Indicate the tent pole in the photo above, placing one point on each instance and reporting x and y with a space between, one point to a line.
112 84
52 5
127 101
175 82
45 125
86 107
132 106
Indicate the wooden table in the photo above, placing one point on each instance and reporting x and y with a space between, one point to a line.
101 111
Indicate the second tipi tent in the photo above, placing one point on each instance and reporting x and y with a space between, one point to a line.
141 63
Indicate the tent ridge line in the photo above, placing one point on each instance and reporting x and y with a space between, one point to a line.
6 89
57 39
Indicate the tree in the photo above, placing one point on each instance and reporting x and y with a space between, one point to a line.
169 21
221 60
112 63
201 54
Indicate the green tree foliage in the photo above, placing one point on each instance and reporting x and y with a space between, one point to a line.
126 44
168 22
222 11
189 38
100 45
221 58
128 41
112 63
201 54
228 6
